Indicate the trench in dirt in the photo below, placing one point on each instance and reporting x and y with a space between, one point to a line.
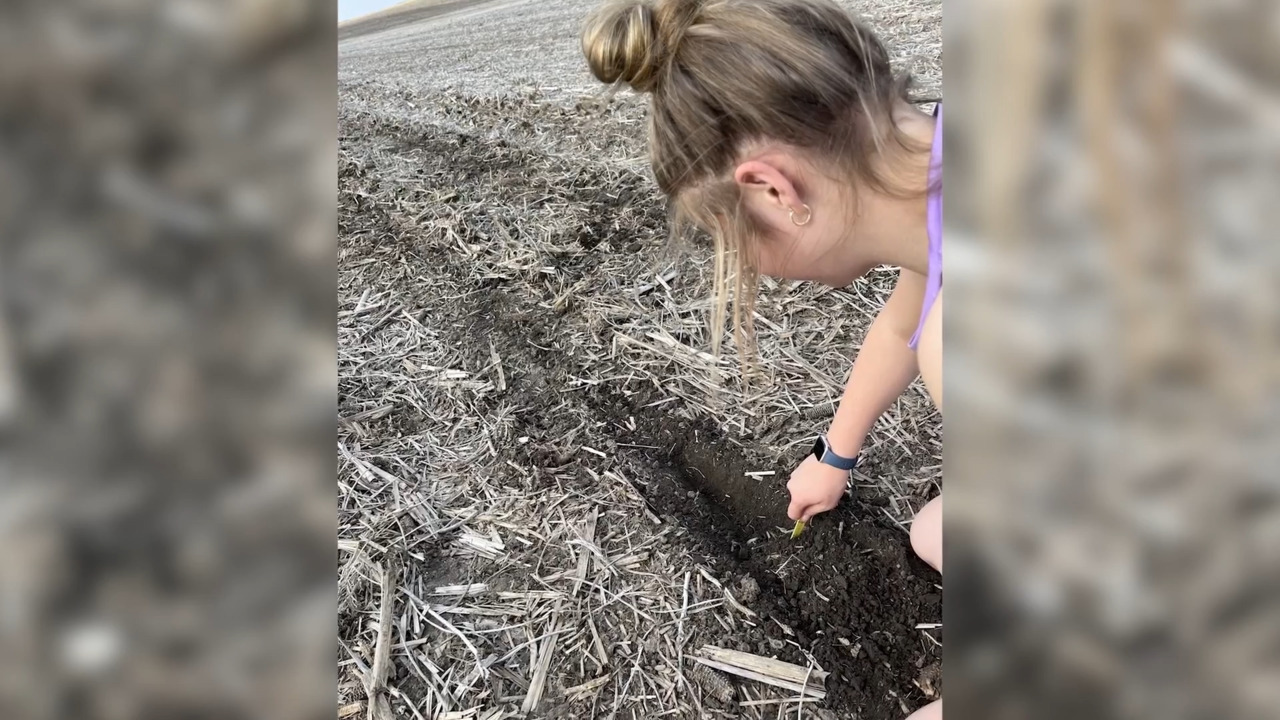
849 591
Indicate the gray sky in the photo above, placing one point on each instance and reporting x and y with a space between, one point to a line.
348 9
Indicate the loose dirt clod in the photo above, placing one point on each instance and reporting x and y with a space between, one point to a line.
747 589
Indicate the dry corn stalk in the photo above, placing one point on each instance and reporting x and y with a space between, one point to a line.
713 683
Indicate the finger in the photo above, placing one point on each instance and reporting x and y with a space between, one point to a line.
815 509
797 509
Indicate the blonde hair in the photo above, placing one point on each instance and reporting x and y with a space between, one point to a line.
724 73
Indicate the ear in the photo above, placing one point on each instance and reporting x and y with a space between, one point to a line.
769 183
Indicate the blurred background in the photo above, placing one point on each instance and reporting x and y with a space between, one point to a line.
1113 532
167 362
167 371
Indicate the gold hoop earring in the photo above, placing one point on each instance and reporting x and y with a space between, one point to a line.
808 216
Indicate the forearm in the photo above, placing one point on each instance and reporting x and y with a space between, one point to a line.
885 366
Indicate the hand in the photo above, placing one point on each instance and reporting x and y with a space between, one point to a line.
815 488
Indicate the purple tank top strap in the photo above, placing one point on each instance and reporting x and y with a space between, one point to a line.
933 285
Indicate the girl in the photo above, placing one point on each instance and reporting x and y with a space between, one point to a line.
778 127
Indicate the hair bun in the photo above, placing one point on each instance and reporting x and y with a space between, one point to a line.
620 41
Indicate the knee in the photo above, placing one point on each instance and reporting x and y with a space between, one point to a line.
932 711
926 533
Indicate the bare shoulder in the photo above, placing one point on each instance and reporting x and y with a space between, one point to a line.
910 283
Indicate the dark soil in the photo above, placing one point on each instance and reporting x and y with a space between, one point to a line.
849 591
852 591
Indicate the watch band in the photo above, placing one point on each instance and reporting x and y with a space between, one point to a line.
825 455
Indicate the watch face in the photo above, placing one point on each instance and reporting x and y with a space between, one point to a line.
819 448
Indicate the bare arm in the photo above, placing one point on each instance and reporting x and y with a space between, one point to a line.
885 366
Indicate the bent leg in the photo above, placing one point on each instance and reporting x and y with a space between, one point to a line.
926 533
932 711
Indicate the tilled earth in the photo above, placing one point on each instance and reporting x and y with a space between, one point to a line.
497 201
849 592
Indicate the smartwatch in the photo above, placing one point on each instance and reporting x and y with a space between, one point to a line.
825 455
